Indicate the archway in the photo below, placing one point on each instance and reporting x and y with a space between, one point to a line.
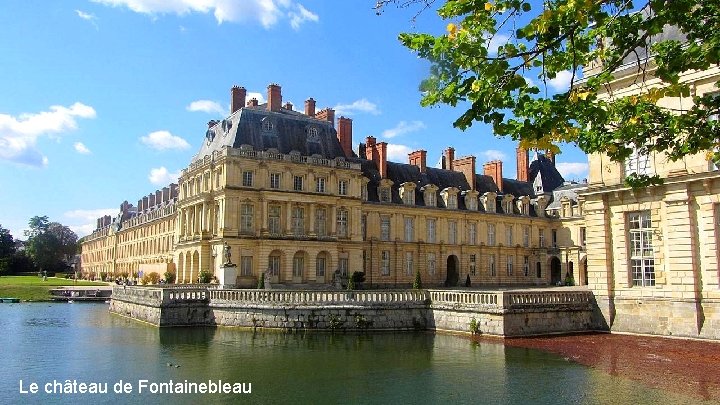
555 271
195 269
453 274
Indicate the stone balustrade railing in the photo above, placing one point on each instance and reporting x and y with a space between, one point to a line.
329 298
465 297
184 295
522 300
138 295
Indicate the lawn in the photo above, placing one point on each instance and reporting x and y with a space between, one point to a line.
32 288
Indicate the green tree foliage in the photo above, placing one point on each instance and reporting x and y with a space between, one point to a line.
417 282
539 40
7 250
50 244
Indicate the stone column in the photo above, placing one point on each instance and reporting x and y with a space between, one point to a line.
333 221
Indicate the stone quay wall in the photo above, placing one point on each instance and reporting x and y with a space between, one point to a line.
500 313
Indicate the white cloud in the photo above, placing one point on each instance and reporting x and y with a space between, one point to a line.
530 82
403 127
162 140
162 177
300 16
357 106
493 154
19 135
561 82
81 148
83 222
398 153
496 41
207 106
88 17
266 12
572 170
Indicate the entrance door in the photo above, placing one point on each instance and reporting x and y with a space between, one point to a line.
555 272
320 269
453 271
298 268
274 268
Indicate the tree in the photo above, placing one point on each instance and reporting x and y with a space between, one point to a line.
50 244
502 84
417 282
7 250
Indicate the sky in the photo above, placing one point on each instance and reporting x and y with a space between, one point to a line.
103 101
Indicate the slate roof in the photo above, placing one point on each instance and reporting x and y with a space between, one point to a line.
568 190
551 178
291 131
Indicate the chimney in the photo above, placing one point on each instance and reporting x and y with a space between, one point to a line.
145 203
361 150
522 163
310 107
98 223
237 98
289 106
158 197
327 114
466 165
344 135
494 170
377 153
165 194
151 200
419 159
448 158
173 190
274 97
253 102
550 155
140 206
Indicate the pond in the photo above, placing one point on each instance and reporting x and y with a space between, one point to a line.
53 344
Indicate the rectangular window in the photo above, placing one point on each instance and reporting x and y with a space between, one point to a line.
526 266
320 267
431 230
583 235
491 265
430 199
275 180
452 202
384 194
343 187
473 264
541 237
509 265
472 233
642 260
274 220
385 228
298 221
408 197
553 236
637 163
298 266
320 185
363 226
409 229
298 183
343 266
452 232
274 266
409 265
385 263
431 263
342 223
247 178
246 218
509 235
526 236
321 222
491 235
246 266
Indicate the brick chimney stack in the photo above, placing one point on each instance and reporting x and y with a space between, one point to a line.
419 159
327 114
523 159
253 102
274 97
289 106
377 152
494 170
466 166
344 134
448 158
237 98
310 107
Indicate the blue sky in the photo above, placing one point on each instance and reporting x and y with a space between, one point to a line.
107 100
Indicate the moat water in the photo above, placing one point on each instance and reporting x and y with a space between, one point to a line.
60 346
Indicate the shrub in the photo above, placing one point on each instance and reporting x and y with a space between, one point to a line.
474 326
358 276
467 281
169 277
417 283
261 281
204 277
351 283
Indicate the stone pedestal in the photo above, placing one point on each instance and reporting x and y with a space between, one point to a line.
227 276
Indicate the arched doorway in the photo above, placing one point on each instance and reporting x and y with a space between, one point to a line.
180 272
274 266
298 267
322 262
453 273
555 272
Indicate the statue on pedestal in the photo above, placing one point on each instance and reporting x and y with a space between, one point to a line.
227 255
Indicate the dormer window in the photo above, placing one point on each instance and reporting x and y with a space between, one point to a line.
407 193
508 203
429 195
267 125
471 200
384 191
449 195
489 203
523 205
